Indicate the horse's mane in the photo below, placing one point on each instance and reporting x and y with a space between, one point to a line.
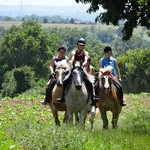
105 69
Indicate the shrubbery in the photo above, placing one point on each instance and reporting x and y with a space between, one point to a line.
135 70
17 81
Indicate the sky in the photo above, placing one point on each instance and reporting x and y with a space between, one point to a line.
65 11
41 2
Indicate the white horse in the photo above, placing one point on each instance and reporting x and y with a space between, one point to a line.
77 96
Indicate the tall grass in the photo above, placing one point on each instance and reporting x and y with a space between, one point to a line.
30 126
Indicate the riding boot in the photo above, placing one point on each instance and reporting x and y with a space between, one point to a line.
119 92
46 99
122 103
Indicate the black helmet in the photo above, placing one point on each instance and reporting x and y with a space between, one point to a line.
107 49
81 41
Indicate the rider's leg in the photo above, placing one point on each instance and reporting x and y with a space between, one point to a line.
47 93
120 92
121 96
91 89
49 87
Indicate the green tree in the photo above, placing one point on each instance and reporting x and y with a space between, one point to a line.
45 20
28 45
135 70
17 81
132 12
68 36
95 49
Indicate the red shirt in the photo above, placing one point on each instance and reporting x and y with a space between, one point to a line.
79 56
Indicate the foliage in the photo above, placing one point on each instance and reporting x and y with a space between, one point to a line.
134 42
68 36
17 81
27 45
131 12
9 85
95 49
107 36
135 70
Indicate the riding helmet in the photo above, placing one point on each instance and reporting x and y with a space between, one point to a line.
81 41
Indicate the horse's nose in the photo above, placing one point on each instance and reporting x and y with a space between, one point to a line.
106 89
78 87
60 83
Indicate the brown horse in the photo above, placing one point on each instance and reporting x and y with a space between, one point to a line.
57 92
108 98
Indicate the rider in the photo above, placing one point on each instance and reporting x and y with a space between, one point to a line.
81 55
50 84
108 60
89 68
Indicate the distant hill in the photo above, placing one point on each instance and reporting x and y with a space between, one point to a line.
78 12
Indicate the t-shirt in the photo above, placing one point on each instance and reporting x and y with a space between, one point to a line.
109 62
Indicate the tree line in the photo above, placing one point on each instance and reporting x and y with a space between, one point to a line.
26 51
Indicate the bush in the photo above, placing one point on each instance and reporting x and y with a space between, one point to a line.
17 81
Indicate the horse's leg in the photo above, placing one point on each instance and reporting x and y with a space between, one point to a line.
82 118
70 116
55 115
92 116
65 117
115 116
76 118
104 117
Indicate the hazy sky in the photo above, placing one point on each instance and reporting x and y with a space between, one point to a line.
40 2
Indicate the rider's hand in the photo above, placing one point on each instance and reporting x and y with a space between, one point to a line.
83 65
53 73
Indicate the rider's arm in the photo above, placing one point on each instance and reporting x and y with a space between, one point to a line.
72 57
100 65
117 71
85 58
100 68
93 72
67 61
52 66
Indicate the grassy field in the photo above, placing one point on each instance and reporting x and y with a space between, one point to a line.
99 27
26 125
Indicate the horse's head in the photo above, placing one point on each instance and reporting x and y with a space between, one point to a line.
77 75
105 79
60 72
